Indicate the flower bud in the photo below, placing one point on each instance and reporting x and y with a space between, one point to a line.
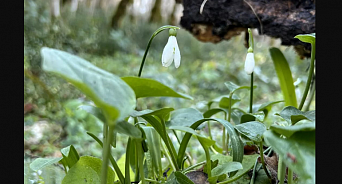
249 63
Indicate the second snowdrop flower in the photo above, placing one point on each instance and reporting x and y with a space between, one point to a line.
250 62
171 51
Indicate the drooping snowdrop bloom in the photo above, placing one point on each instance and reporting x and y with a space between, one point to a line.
171 50
249 63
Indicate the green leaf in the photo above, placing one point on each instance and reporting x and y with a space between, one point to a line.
154 144
266 107
253 130
288 131
106 90
95 111
160 112
224 101
40 163
122 163
205 142
185 129
184 117
70 155
307 38
235 141
226 168
298 152
285 76
87 170
233 87
181 178
247 164
128 129
211 112
259 116
144 87
292 115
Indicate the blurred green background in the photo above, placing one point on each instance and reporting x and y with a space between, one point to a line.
51 120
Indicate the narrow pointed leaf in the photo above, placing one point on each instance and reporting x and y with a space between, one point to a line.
154 145
285 76
70 155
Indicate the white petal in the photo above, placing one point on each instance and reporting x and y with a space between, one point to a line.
249 63
177 56
167 56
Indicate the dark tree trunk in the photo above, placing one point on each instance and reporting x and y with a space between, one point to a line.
120 13
223 19
156 12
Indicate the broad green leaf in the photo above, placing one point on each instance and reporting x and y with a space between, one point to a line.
224 101
253 130
257 116
40 163
106 90
128 129
211 112
292 115
298 152
266 107
144 87
233 87
160 112
95 111
70 155
235 141
237 114
154 144
288 131
87 170
226 168
247 164
182 179
285 76
307 38
184 117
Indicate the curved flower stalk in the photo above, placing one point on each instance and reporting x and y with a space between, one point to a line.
171 50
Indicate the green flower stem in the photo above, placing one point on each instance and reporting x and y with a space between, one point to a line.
311 95
289 176
209 130
225 150
207 156
311 71
115 165
136 160
281 170
127 167
140 153
106 153
168 157
254 171
149 44
193 166
251 95
263 162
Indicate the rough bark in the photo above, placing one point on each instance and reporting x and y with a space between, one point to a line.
223 19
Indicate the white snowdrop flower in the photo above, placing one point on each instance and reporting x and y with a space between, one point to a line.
249 63
171 50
